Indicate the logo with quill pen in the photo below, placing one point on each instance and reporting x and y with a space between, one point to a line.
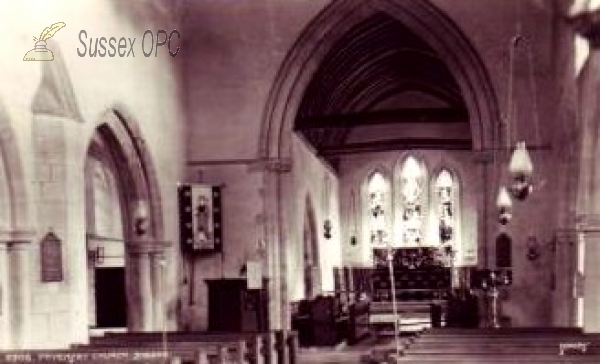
40 52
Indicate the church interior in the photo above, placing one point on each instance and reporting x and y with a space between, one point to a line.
324 177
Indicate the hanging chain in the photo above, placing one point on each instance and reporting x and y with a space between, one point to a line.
536 121
510 104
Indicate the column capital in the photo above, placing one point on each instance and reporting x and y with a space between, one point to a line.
587 24
147 246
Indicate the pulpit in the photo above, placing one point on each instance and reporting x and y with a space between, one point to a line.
232 307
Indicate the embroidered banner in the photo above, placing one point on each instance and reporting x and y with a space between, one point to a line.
200 218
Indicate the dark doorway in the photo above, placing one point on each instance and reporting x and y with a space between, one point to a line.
110 297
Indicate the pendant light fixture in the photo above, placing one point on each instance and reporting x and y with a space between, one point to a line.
520 167
521 170
504 204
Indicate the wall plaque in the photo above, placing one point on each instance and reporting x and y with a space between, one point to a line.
51 258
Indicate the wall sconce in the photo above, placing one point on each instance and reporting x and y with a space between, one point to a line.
504 205
141 216
96 256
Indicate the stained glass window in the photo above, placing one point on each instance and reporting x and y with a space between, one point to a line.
378 194
445 193
412 202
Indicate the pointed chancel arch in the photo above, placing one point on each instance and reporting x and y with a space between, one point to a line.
423 19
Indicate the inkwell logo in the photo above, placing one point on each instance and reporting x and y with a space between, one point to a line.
40 52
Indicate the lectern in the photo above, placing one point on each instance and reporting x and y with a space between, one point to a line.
232 307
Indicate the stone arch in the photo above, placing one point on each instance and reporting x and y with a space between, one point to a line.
295 74
121 132
119 138
425 20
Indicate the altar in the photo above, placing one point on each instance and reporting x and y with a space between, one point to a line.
421 281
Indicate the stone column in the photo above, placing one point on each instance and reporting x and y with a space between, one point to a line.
18 292
587 24
275 233
143 284
4 313
589 231
158 288
139 289
591 286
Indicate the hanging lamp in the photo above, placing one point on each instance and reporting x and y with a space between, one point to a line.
521 171
504 205
520 167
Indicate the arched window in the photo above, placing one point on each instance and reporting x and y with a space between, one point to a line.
414 210
379 214
412 202
447 212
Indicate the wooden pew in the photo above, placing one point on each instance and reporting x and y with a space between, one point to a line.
173 348
187 351
250 347
544 345
270 347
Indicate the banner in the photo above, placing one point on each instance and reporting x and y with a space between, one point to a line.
200 218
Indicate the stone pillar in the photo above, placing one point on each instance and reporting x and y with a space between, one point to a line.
589 231
143 285
18 292
4 313
139 290
158 288
276 172
488 223
587 24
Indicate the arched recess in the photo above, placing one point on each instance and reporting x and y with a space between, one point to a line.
119 146
296 72
312 256
105 204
